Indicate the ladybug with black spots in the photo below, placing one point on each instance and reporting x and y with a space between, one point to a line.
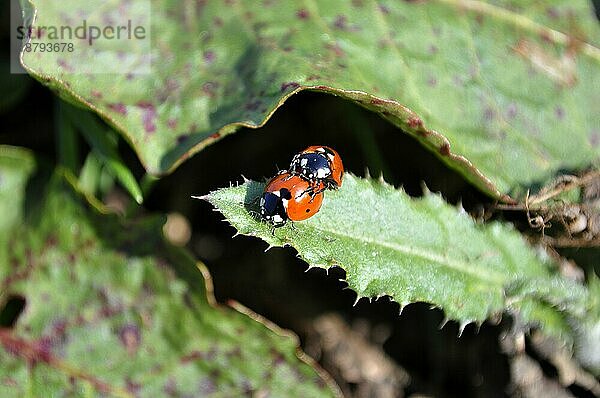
321 166
288 197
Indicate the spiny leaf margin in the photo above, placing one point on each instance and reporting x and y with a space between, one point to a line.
411 250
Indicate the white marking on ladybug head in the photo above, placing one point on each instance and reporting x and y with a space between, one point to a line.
277 219
322 173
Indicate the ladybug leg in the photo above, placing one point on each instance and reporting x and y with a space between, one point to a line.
292 225
312 193
330 184
254 214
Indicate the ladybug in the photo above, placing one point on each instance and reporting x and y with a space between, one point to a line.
321 166
288 196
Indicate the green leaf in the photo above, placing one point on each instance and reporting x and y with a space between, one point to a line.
99 138
390 244
504 91
66 139
112 310
16 167
89 178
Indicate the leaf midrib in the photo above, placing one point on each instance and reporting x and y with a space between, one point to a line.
456 265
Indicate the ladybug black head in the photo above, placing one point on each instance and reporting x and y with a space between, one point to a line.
272 208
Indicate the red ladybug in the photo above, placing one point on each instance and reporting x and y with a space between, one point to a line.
288 196
321 166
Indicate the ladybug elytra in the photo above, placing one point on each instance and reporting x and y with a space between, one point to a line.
287 196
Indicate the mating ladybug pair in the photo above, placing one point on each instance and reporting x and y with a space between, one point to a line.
297 193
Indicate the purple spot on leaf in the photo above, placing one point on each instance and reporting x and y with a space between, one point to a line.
559 112
285 86
170 388
172 84
209 88
594 138
209 57
132 386
236 352
489 114
193 357
148 116
118 107
511 111
172 123
553 13
341 22
278 359
337 50
59 329
384 9
246 386
130 338
302 14
207 386
64 65
432 81
546 37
